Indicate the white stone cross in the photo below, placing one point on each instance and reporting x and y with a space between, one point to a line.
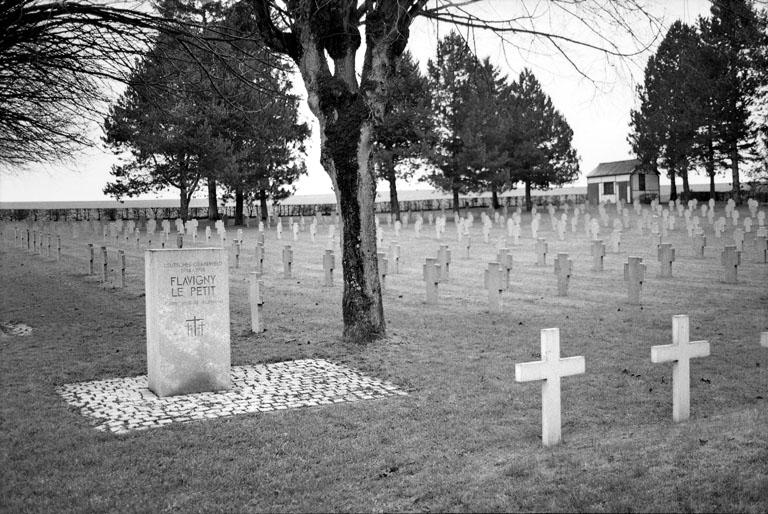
329 262
287 261
666 256
494 279
634 276
382 265
444 261
681 351
699 243
598 253
257 301
541 252
550 369
563 271
260 257
730 259
431 278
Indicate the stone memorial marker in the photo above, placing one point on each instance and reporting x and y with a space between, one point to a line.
151 226
287 261
735 218
207 234
256 299
279 229
563 271
747 225
187 309
634 276
295 231
431 273
551 368
239 235
541 252
730 259
598 253
666 256
680 352
329 263
764 339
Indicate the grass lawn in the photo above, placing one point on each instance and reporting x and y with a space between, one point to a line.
466 438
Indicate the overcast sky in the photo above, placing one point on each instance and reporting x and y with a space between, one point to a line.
596 108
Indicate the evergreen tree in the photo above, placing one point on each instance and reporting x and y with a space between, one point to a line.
184 123
400 134
461 89
735 36
538 143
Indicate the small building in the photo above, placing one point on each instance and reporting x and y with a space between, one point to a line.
621 181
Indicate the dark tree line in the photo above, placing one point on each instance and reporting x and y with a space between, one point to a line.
490 133
190 116
698 93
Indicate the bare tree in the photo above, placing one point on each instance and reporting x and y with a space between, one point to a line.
349 102
55 58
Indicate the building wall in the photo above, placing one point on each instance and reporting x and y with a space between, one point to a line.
618 181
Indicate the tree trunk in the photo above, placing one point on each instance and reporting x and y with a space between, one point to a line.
456 206
263 205
183 203
686 186
710 163
736 191
495 198
392 179
672 186
528 203
239 201
213 205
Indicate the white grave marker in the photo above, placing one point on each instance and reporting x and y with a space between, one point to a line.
187 309
681 351
550 369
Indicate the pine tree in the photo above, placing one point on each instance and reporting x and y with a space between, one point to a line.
400 134
460 88
735 36
539 150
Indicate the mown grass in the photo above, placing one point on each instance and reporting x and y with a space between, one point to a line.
466 438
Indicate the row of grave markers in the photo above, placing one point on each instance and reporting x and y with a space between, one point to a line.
551 368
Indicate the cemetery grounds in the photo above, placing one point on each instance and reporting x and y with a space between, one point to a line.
466 437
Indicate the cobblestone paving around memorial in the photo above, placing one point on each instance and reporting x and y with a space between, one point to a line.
121 405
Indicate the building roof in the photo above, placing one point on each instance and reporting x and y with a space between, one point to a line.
606 169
